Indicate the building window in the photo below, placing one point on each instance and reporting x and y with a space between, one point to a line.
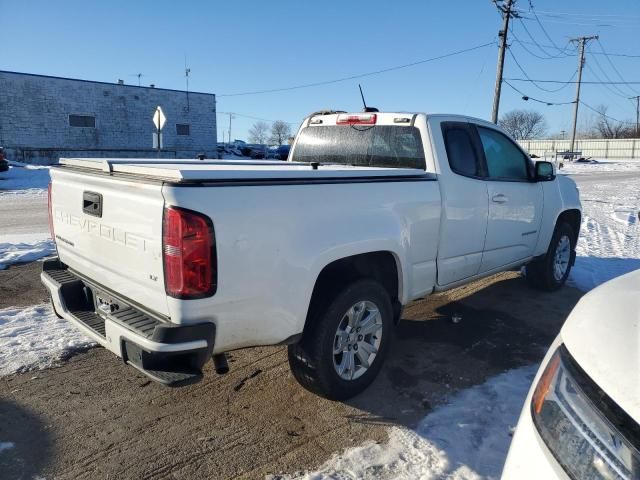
182 129
82 121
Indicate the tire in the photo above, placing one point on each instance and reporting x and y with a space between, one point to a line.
550 272
314 361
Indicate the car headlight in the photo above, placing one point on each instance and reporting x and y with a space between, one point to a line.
588 434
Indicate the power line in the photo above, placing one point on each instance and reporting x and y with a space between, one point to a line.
605 115
530 52
562 81
528 97
255 118
561 54
567 83
613 88
612 65
627 55
546 34
588 24
360 75
573 14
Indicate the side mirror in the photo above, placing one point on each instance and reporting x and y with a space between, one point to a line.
544 172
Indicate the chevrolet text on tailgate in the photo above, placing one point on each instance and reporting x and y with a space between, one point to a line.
168 263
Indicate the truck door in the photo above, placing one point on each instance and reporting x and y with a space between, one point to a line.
464 201
515 202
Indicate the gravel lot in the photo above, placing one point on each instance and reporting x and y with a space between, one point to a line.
93 417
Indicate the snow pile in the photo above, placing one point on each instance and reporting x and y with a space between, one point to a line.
466 439
601 166
609 243
34 337
24 248
22 176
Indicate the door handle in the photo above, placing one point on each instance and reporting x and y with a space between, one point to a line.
499 198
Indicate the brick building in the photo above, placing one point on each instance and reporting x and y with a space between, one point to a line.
43 118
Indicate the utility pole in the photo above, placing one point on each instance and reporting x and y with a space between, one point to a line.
637 99
507 13
581 41
230 118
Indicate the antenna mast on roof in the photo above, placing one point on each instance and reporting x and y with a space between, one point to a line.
187 71
364 103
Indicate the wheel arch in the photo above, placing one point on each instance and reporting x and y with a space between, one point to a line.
383 266
573 217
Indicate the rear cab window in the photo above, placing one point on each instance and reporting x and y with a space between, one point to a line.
386 146
462 150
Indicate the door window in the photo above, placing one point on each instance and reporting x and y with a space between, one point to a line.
505 161
460 149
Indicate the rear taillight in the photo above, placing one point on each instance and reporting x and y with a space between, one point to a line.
360 119
50 207
189 252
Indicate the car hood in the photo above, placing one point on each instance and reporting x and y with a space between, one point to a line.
603 336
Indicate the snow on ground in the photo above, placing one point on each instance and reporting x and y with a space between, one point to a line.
24 248
34 337
24 177
468 438
609 243
601 166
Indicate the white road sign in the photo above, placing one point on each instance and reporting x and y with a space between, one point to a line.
158 118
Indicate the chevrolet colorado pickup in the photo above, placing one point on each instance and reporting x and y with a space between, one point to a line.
168 263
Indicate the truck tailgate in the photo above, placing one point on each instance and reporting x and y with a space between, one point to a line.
110 231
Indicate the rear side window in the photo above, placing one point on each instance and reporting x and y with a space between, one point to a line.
387 146
461 152
505 161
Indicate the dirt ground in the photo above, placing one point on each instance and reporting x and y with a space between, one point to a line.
94 417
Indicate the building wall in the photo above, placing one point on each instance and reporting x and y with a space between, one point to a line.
35 109
596 148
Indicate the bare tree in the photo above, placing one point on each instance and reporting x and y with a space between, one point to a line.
259 132
280 131
606 127
524 124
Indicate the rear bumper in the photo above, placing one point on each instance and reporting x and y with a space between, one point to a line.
167 353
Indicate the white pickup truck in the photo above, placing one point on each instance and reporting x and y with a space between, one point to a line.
167 263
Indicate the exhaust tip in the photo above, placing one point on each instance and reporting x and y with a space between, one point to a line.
220 363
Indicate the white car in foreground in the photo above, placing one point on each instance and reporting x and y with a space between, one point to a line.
581 419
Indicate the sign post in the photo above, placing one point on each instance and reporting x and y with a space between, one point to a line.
159 120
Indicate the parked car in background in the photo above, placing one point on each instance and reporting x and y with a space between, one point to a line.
168 264
4 163
581 419
282 152
258 151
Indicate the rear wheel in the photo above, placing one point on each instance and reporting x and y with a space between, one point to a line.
345 343
550 272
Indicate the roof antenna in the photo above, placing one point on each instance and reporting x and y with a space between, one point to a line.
366 109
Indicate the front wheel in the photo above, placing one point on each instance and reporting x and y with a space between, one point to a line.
550 272
345 343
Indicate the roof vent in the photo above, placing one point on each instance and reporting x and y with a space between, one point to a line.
120 81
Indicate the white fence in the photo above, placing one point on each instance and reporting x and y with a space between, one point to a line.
597 148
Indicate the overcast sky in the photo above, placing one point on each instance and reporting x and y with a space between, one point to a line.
243 46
